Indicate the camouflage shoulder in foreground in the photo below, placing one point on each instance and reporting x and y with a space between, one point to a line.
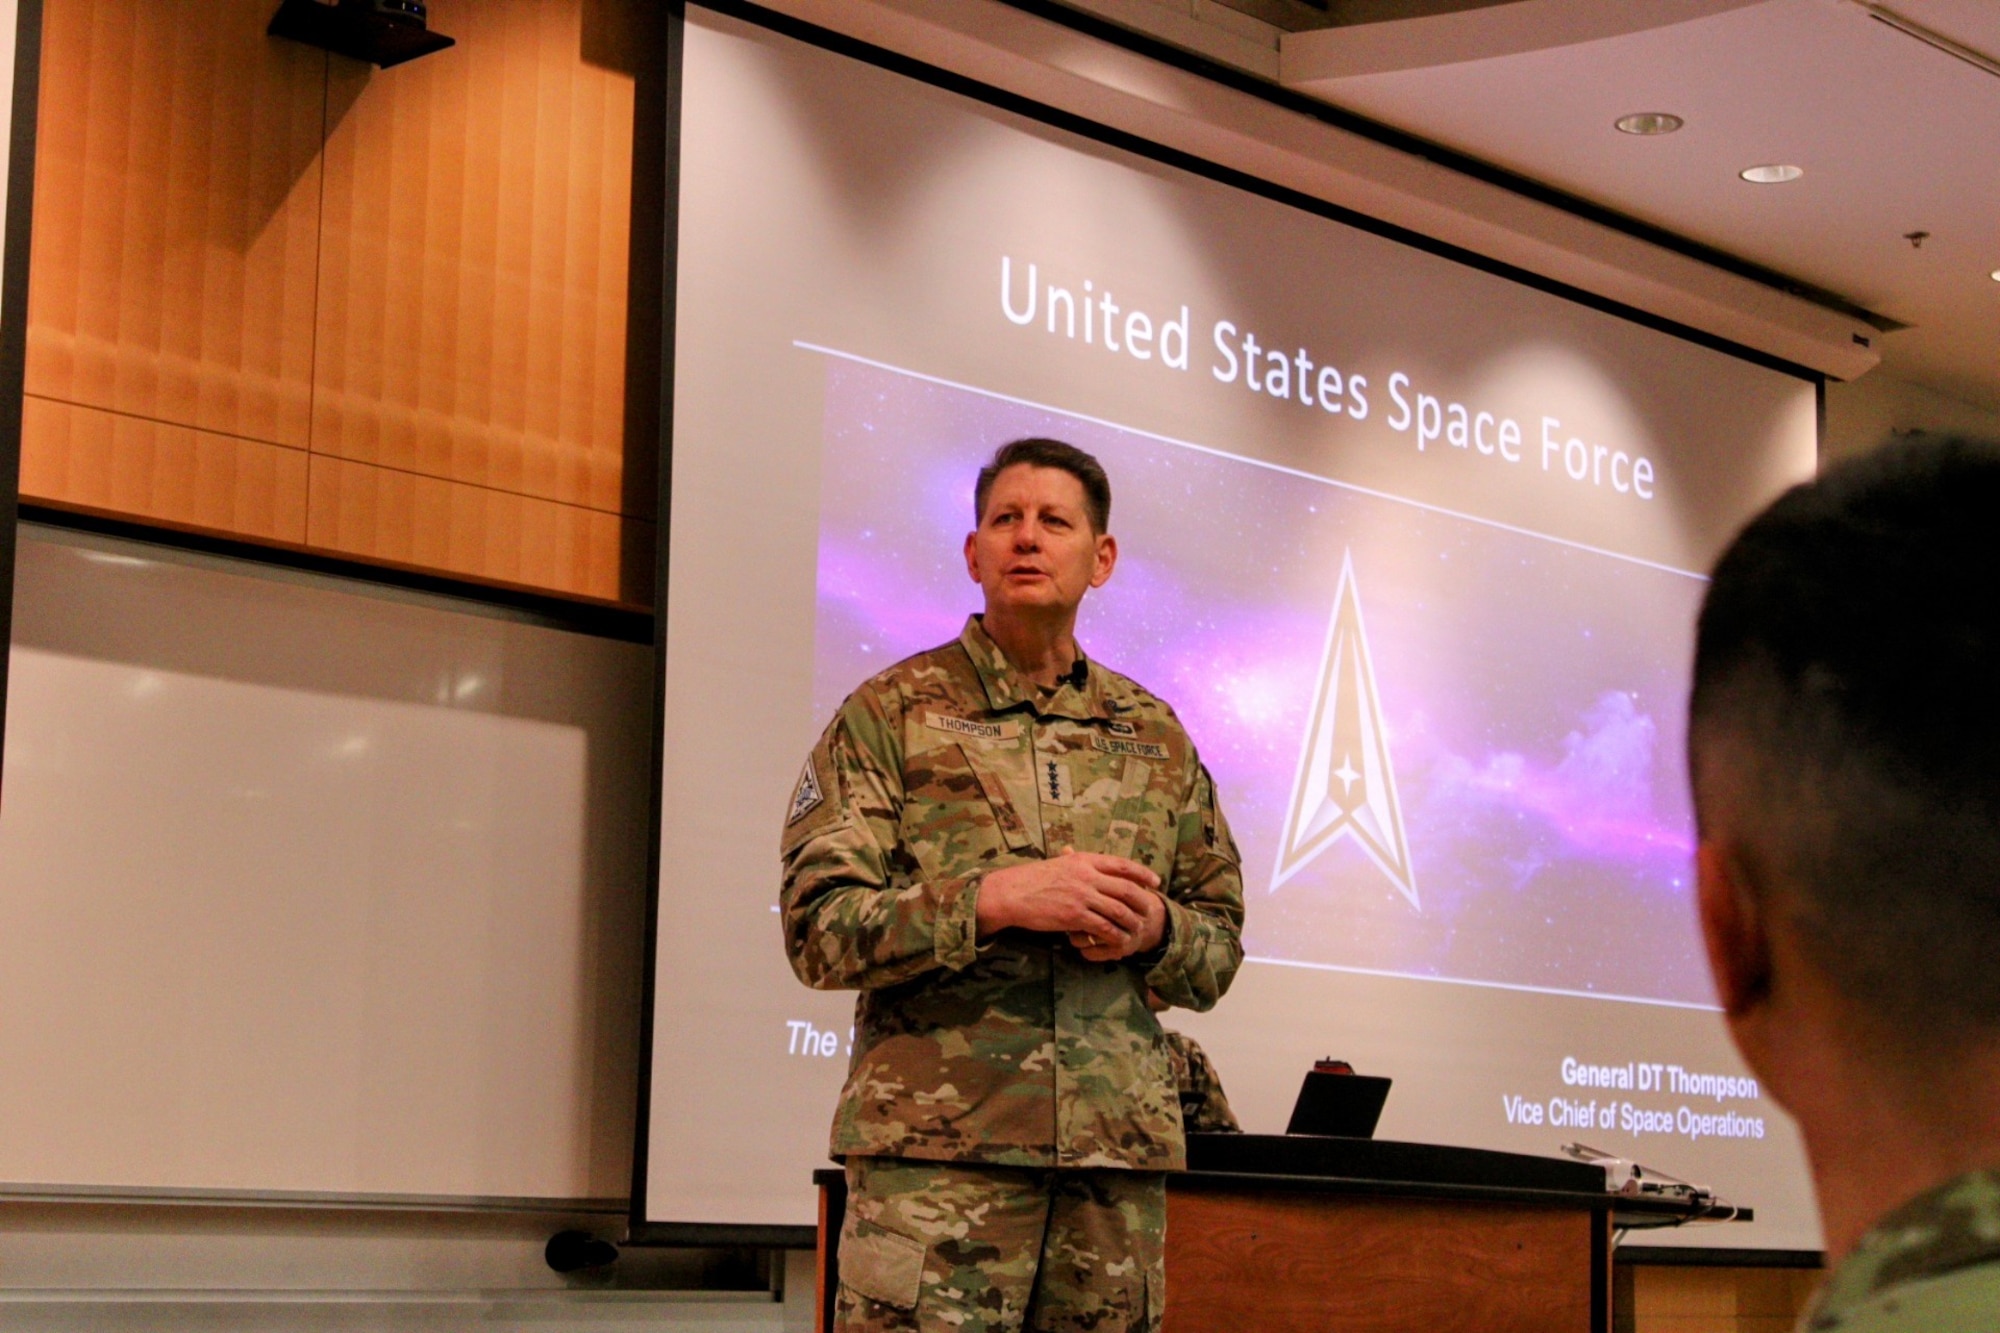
1933 1264
1013 1050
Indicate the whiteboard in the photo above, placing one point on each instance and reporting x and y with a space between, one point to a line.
306 886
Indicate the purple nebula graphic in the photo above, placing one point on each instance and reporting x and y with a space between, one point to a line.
1531 693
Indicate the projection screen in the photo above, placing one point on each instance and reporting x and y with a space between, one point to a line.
1413 546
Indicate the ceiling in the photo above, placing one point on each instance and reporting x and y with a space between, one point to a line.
1894 135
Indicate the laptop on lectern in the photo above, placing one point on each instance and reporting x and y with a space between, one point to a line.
1336 1101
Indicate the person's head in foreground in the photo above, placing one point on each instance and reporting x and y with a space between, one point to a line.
1844 750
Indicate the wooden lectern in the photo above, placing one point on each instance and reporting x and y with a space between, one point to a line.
1297 1234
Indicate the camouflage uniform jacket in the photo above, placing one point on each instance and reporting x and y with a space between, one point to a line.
1933 1264
1015 1050
1204 1108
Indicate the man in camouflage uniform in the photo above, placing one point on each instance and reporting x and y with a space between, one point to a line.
1844 745
1204 1107
1003 846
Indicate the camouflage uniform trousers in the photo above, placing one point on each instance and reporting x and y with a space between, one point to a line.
964 1247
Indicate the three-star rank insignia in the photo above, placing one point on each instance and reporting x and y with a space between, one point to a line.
1346 785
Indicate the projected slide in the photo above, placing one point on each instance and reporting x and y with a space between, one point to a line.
1448 749
1412 547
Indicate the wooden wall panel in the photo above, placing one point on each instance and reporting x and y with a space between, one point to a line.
473 281
256 255
87 457
1719 1300
383 514
176 215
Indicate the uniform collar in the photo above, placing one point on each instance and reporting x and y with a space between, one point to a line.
1952 1227
1007 688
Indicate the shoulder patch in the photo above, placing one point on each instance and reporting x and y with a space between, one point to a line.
965 726
807 796
1137 749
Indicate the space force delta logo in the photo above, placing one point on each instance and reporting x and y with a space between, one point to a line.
807 796
1346 786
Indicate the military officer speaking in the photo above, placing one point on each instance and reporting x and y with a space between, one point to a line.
1003 846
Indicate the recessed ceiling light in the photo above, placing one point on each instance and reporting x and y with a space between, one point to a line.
1995 275
1649 122
1775 173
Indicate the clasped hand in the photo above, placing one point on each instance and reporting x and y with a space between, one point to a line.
1108 906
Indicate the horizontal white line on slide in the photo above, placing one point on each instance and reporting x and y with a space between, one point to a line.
858 359
1489 985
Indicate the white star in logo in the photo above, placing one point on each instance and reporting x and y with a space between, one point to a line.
1346 774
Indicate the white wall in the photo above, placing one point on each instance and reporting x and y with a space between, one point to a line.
1880 406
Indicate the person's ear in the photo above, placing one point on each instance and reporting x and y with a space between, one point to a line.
972 555
1734 926
1107 559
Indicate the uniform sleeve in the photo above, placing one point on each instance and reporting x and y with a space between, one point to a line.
855 915
1203 946
1212 1114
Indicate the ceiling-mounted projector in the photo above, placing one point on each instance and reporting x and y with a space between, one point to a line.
382 32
